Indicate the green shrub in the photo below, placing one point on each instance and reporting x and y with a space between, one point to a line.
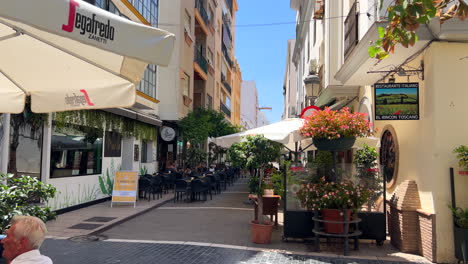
20 196
462 156
461 216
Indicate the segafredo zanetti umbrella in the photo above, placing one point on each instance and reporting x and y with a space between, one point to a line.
70 55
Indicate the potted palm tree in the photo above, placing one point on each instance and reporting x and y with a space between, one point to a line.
258 152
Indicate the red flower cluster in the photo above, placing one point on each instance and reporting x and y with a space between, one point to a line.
331 124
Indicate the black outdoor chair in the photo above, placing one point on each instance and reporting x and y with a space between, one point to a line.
144 187
156 185
223 179
198 188
180 189
214 184
169 181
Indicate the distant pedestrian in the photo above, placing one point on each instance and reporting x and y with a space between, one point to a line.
25 236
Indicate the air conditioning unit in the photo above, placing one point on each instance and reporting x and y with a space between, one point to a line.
313 66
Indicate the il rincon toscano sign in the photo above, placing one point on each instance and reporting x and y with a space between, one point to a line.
125 187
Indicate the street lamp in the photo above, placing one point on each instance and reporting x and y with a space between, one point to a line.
312 85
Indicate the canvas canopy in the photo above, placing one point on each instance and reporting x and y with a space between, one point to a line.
285 132
70 55
288 133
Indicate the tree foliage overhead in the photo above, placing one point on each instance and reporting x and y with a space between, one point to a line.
202 123
405 16
255 152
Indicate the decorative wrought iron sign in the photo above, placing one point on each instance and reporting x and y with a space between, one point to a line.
396 101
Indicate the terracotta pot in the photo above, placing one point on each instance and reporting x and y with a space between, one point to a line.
268 192
261 233
334 215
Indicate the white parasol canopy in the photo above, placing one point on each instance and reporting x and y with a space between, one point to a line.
285 132
288 133
70 55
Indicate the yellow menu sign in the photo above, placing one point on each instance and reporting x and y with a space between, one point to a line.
125 187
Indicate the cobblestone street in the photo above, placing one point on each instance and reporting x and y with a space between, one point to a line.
107 252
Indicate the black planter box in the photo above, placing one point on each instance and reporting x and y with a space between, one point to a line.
373 226
461 243
298 224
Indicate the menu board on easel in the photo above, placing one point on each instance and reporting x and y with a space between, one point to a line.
125 187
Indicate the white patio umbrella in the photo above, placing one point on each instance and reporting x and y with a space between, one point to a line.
285 132
70 55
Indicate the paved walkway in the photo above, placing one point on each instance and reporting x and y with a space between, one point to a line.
215 231
140 252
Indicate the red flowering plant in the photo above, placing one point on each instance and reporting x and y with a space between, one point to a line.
333 124
332 195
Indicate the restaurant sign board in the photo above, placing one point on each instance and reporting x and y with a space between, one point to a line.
396 101
125 187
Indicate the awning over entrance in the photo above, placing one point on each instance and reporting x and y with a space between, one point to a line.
354 70
335 91
70 55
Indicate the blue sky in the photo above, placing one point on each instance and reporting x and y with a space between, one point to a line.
261 50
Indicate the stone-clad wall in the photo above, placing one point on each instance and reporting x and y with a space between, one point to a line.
411 229
427 232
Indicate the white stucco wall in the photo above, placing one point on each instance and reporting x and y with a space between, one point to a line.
426 145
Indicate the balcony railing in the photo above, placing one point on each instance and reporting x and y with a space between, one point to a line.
227 86
226 55
201 60
351 30
202 11
224 109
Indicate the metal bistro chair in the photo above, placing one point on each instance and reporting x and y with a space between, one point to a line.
180 189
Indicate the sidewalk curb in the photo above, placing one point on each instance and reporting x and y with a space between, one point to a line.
125 219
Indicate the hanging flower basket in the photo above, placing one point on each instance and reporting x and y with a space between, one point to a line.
336 144
336 130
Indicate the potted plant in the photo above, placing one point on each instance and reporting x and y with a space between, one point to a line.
335 130
368 173
331 198
460 232
258 152
462 156
23 195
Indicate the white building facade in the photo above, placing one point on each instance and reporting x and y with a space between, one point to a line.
249 104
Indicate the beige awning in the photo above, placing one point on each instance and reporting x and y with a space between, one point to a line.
70 55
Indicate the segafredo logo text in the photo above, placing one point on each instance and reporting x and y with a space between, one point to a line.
78 100
96 30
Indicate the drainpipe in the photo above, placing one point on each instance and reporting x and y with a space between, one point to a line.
5 144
